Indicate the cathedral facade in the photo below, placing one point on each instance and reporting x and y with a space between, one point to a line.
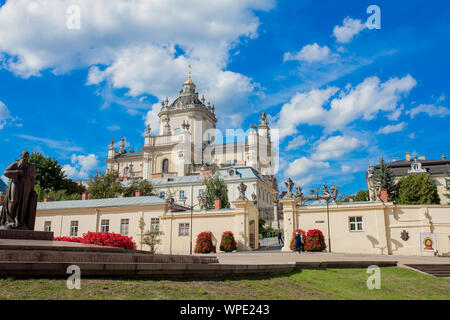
185 153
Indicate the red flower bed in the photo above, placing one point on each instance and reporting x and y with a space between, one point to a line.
68 239
292 244
102 239
228 243
204 243
315 241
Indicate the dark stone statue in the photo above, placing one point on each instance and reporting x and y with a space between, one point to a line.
19 206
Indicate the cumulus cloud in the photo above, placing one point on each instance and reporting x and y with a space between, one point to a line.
296 142
429 109
302 170
80 166
334 108
349 29
392 128
309 53
334 147
4 115
135 44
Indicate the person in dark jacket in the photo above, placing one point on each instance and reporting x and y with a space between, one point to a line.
280 238
302 242
297 242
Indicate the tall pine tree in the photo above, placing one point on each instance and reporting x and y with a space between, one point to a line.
384 177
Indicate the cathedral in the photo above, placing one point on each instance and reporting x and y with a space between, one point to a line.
185 153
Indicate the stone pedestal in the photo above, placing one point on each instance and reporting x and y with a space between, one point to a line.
26 235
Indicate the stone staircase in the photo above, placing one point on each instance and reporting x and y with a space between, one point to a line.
437 270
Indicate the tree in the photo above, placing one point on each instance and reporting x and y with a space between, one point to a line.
384 177
152 239
49 174
59 195
105 185
216 188
51 181
362 195
417 189
144 186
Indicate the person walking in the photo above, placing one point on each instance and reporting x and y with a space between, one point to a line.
297 242
280 238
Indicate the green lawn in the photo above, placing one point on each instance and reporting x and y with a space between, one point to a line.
396 283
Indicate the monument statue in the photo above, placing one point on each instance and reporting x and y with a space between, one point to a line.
19 206
289 185
242 188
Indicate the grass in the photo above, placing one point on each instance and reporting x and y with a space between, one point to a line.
396 283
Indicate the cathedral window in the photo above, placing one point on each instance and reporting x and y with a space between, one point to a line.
165 166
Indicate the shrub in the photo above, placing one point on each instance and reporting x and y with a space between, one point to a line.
292 244
68 239
315 241
204 243
103 239
228 243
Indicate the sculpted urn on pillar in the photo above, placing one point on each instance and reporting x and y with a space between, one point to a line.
19 207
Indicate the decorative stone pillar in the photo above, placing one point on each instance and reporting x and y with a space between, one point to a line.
289 219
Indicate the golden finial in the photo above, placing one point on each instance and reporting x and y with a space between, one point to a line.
189 80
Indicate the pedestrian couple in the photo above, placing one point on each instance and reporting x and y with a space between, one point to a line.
299 242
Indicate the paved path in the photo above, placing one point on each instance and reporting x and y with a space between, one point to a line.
278 257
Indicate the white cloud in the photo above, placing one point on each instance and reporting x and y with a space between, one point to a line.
296 142
303 170
349 29
334 147
53 144
152 119
81 166
4 115
392 128
135 44
113 127
309 53
349 104
430 109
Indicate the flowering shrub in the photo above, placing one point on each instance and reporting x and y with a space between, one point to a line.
292 244
228 243
204 243
102 239
315 241
68 239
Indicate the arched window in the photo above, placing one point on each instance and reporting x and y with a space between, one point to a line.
125 171
165 166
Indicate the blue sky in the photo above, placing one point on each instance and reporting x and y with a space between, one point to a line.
341 94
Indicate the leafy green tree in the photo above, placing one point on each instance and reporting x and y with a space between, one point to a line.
384 177
152 239
362 195
216 188
49 174
105 185
144 186
417 189
343 197
59 195
51 181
